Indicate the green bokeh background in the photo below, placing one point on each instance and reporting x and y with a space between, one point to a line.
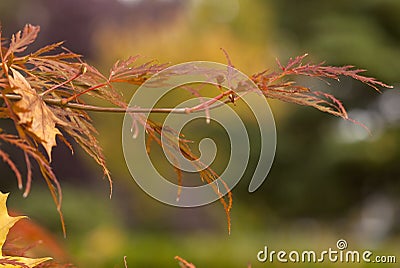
330 178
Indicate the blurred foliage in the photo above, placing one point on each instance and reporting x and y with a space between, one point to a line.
364 33
330 178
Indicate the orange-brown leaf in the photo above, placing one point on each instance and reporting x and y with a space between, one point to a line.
21 40
33 112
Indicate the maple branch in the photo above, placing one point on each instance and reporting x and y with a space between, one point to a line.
93 108
29 79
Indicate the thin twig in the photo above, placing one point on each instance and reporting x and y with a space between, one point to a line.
92 108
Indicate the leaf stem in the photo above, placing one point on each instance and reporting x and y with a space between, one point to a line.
82 71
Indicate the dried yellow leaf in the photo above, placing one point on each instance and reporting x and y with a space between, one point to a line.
6 222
